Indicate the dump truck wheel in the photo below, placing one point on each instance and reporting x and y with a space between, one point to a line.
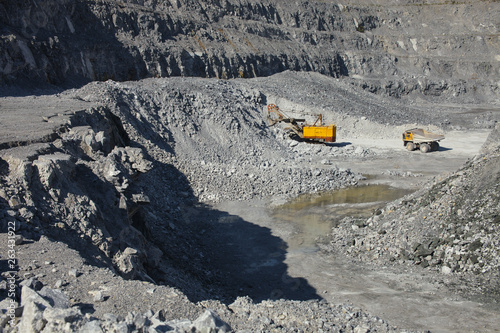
424 147
410 146
435 146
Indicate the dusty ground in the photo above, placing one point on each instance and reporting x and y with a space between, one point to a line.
455 150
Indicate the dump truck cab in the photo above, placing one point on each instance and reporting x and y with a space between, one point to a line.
407 136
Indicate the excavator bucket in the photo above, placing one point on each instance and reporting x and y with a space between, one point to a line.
274 116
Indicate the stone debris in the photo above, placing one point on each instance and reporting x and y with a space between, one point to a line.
49 311
209 321
450 227
73 273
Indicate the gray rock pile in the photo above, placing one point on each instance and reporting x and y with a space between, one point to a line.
215 133
43 309
451 228
83 183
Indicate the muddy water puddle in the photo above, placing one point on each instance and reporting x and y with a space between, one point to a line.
313 215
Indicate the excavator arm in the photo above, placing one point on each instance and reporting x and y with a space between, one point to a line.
274 116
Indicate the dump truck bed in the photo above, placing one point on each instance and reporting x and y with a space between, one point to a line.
421 135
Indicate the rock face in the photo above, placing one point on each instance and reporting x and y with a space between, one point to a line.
389 47
86 185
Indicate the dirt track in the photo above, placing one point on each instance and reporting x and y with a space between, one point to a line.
455 150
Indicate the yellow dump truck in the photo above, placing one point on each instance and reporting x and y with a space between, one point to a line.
418 138
298 128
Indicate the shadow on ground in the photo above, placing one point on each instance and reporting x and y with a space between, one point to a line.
246 258
338 144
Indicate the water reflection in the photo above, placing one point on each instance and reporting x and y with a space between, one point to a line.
314 215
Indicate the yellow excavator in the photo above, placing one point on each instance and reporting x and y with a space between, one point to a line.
299 130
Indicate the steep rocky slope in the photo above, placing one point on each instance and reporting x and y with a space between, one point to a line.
391 47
